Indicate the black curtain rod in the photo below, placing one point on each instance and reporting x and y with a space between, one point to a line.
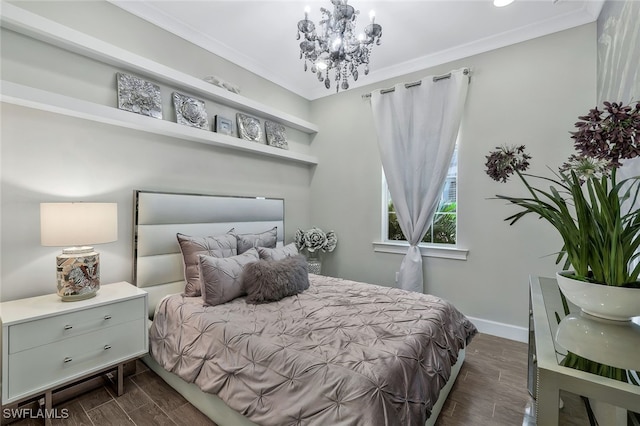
417 83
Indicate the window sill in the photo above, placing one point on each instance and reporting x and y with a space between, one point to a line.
441 251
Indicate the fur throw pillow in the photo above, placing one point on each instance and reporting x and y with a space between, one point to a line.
272 280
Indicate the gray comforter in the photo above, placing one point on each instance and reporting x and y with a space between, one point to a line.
340 353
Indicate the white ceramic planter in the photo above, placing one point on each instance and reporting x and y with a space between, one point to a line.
613 343
609 302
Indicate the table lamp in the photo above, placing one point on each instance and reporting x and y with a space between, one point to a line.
78 225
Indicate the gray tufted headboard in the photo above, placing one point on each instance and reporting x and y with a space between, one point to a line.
159 216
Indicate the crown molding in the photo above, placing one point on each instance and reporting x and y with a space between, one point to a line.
587 14
146 11
558 23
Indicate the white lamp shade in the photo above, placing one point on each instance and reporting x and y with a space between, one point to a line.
77 224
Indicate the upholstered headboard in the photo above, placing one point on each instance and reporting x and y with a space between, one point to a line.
159 216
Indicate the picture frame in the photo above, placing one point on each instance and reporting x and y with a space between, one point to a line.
276 135
223 125
190 111
249 127
138 95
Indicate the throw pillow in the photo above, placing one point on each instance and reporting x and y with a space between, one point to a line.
272 280
263 239
278 253
191 247
222 277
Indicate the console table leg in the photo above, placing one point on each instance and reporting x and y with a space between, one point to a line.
548 401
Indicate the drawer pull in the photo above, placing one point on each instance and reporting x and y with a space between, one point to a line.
68 327
107 347
68 359
107 317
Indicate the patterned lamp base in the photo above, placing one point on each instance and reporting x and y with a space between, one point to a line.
78 273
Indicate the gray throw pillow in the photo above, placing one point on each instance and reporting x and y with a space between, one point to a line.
263 239
272 280
191 247
222 277
277 253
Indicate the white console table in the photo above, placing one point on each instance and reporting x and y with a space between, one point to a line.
554 332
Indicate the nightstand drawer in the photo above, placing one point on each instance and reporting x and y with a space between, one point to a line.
42 331
46 366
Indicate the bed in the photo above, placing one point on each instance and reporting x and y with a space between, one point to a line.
339 352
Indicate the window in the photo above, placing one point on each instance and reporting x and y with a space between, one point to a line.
443 228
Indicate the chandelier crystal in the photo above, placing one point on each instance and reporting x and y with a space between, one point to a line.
336 47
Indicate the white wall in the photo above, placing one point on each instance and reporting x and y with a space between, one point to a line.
49 157
530 93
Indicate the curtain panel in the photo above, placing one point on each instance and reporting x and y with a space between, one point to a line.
417 127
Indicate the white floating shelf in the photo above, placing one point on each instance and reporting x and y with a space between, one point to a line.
18 94
35 26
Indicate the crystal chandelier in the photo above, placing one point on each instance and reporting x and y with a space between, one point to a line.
336 46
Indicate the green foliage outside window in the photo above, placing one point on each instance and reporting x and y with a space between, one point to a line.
441 231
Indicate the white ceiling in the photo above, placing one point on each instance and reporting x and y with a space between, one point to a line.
261 35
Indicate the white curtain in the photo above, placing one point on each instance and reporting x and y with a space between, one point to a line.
417 129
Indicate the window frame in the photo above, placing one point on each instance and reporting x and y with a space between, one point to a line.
440 250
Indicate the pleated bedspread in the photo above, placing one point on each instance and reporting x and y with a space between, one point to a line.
340 353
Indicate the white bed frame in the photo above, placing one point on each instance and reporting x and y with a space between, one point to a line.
158 267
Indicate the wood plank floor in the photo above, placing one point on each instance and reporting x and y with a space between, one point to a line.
491 390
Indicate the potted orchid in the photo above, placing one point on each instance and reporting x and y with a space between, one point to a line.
594 212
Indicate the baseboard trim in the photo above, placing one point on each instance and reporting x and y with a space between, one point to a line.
507 331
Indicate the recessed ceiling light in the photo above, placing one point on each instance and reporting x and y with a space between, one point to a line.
502 3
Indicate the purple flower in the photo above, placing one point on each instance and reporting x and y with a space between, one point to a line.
611 135
505 161
584 202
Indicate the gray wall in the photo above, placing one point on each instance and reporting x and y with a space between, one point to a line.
530 93
104 21
619 52
49 157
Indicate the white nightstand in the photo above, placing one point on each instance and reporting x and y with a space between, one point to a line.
47 343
